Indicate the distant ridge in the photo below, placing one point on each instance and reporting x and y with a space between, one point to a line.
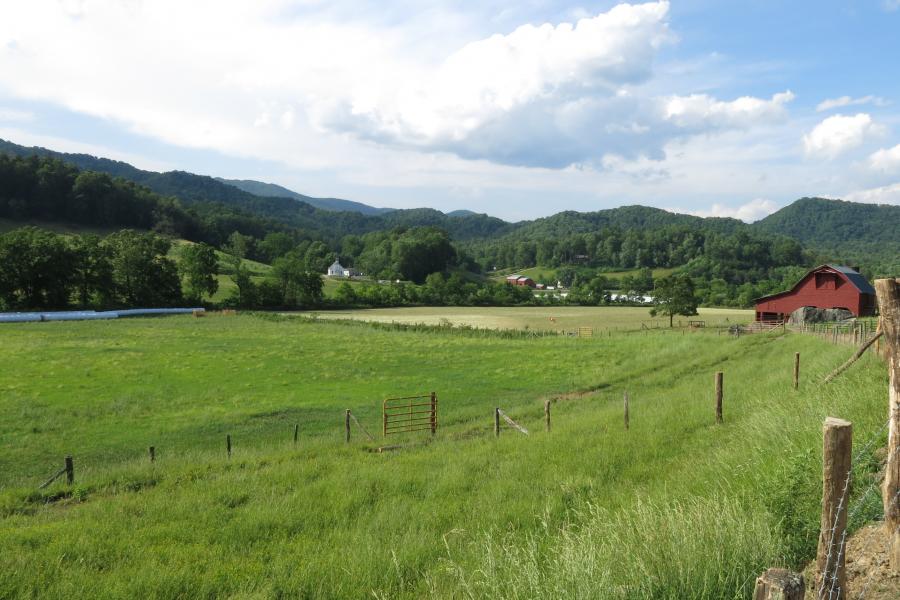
259 188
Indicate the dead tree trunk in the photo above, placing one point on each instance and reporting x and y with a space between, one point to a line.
888 293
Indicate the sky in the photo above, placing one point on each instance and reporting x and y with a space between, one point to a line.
516 109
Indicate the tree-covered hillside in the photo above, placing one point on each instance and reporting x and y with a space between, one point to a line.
864 234
258 188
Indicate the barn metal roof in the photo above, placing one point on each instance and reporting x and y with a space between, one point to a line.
855 278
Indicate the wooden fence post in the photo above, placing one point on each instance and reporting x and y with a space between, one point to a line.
433 413
228 444
296 432
347 425
888 293
497 422
796 370
719 377
70 471
626 411
779 584
837 447
152 453
547 412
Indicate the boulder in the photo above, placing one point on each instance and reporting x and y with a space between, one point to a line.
811 314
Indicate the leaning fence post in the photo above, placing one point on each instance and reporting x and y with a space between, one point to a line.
837 446
547 412
497 422
626 411
347 425
779 584
70 470
152 453
228 444
796 370
887 292
719 377
296 432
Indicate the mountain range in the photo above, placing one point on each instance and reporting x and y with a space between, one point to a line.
835 229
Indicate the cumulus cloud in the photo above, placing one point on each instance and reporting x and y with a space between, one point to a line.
751 211
888 194
886 159
838 134
701 110
257 79
849 101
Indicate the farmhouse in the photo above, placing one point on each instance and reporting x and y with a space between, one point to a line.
336 270
520 280
828 286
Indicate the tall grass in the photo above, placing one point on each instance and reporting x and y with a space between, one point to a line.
674 507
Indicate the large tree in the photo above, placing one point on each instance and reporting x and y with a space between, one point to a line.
199 266
674 295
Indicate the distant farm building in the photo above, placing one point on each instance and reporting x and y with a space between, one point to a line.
520 280
336 270
828 286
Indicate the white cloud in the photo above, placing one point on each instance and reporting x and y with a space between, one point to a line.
886 159
888 194
749 212
704 111
306 83
849 101
838 134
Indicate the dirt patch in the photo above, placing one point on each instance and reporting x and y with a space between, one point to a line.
868 572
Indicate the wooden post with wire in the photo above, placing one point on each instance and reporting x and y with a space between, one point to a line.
837 448
228 444
719 392
626 411
887 292
70 471
152 453
433 416
497 422
796 370
347 425
296 432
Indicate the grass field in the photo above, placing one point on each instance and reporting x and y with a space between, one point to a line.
565 318
675 507
548 274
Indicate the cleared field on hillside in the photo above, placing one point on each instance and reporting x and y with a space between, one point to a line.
675 507
565 318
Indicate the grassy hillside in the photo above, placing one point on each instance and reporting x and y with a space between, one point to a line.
675 507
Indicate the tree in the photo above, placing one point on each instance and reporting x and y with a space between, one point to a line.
199 266
276 244
143 274
674 295
92 270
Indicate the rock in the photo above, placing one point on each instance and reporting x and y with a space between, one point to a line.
811 314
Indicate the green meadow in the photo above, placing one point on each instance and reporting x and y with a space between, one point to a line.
674 507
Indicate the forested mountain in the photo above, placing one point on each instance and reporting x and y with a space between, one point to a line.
258 188
867 234
215 200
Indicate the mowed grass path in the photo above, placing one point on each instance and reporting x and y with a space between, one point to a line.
675 507
564 318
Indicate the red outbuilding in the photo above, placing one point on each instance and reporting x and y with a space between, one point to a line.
520 280
828 286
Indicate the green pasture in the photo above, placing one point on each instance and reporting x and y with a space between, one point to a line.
675 507
560 318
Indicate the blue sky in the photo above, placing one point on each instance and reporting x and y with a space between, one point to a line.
517 109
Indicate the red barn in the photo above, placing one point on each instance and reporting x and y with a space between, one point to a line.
828 286
520 280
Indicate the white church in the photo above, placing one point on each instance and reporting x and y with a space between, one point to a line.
337 270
